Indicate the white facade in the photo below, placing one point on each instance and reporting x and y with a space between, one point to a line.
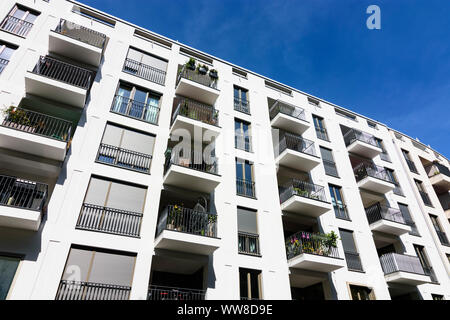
43 253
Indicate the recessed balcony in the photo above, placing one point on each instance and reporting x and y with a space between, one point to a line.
296 152
77 42
21 203
192 171
35 133
373 178
439 177
288 117
303 198
197 86
403 269
362 143
387 220
186 230
59 81
312 252
190 114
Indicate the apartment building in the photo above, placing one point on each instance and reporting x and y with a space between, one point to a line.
135 167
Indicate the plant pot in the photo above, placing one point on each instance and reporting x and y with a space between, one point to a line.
190 67
214 75
202 70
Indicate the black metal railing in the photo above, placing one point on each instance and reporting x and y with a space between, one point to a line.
64 72
144 71
436 169
245 188
243 142
355 135
287 109
109 220
353 261
364 170
195 76
394 262
412 167
23 194
442 238
379 212
194 160
425 198
80 33
310 243
303 189
296 143
178 218
322 134
195 110
17 26
248 243
3 64
160 293
124 158
242 105
340 211
38 124
135 109
78 290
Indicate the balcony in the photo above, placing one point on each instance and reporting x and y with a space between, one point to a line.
312 252
288 117
439 177
296 152
77 42
159 293
387 220
193 171
303 198
145 71
78 290
189 115
362 143
109 220
187 230
248 244
242 105
197 86
59 81
245 188
403 269
3 64
123 158
373 178
21 203
16 26
35 133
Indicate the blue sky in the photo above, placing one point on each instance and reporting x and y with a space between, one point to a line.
399 75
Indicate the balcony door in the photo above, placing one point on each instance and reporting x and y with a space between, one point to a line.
244 178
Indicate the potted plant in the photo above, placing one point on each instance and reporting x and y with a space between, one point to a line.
214 74
212 219
203 69
17 118
175 217
191 64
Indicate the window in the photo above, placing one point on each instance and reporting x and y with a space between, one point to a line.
126 148
19 21
244 178
437 227
94 16
250 284
350 250
384 155
371 124
110 271
409 162
313 102
6 52
241 102
345 114
146 66
8 268
408 219
242 135
137 103
437 297
361 293
248 236
278 88
321 131
239 73
420 251
392 177
340 209
423 194
328 162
